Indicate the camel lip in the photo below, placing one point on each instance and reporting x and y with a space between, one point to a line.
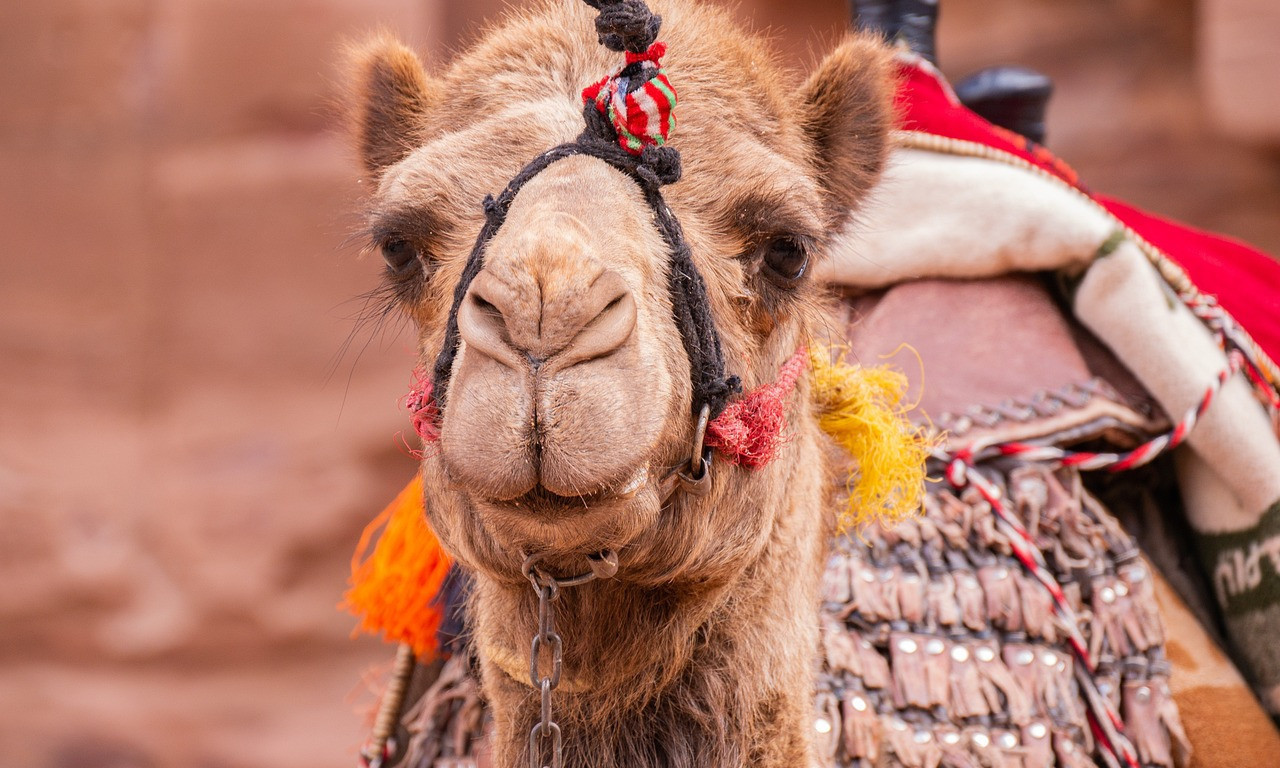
540 500
572 525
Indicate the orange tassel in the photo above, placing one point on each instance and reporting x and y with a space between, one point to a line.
394 587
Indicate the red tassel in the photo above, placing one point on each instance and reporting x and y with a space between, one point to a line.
749 431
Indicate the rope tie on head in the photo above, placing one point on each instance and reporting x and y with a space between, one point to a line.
625 25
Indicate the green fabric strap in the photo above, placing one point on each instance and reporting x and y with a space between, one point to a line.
1244 566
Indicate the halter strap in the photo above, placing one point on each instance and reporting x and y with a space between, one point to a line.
623 25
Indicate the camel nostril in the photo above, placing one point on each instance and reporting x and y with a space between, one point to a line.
532 327
485 305
483 326
611 326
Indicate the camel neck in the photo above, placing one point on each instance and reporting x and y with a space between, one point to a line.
714 674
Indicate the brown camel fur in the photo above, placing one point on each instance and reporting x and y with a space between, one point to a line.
570 398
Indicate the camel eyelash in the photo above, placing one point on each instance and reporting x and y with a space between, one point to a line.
414 224
757 219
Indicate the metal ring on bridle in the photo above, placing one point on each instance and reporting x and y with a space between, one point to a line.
601 565
699 436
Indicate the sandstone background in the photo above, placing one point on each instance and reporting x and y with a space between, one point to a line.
191 432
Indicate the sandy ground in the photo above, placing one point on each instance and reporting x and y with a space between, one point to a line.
189 446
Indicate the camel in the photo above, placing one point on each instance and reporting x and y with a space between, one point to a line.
570 399
542 451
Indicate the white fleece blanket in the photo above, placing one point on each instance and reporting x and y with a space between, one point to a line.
950 216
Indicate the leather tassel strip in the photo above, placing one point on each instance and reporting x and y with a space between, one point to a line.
1111 462
989 631
1103 716
446 723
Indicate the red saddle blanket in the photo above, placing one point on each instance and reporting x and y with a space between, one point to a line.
1245 280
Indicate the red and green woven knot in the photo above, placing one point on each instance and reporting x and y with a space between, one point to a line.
638 99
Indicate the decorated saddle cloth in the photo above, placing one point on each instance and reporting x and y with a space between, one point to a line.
1044 286
1017 621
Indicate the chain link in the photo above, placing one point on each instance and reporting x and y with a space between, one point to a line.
546 637
545 736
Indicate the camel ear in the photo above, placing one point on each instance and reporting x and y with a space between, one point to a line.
847 111
389 97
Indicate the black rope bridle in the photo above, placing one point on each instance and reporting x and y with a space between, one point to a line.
622 25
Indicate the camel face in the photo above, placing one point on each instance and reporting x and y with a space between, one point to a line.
570 397
571 369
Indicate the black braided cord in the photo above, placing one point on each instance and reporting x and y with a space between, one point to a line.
621 25
625 25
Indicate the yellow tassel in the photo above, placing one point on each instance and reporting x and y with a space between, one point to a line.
862 410
394 588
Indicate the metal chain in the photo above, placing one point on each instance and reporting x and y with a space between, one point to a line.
546 728
545 735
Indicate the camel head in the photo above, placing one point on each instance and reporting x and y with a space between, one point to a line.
570 398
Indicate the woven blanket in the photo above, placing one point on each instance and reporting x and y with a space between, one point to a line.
1244 279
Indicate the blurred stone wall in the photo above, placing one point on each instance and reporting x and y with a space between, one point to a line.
186 456
193 425
1238 60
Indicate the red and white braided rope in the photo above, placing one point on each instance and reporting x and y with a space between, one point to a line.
1112 462
1230 334
1106 722
1143 454
962 471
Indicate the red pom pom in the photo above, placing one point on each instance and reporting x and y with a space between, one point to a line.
422 407
749 431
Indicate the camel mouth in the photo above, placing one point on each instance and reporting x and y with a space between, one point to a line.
545 502
553 523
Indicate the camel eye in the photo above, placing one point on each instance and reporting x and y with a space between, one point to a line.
785 259
401 256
